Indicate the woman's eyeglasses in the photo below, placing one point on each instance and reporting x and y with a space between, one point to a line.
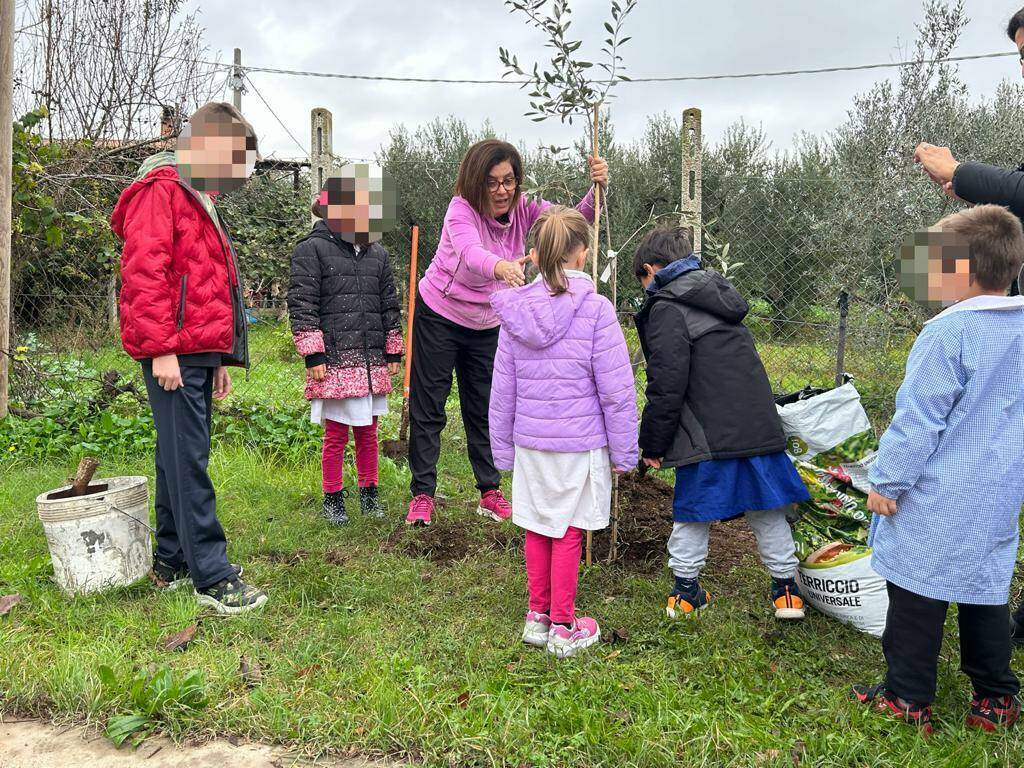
509 183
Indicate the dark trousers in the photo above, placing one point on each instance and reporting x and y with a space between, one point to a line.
440 347
187 529
913 638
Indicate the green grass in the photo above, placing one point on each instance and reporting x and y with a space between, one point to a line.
365 647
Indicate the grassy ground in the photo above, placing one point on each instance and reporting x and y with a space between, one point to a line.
365 645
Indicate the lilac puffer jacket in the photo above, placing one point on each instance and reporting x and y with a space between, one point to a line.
562 378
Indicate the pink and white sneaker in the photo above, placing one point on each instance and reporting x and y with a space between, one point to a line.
420 509
568 642
494 505
535 631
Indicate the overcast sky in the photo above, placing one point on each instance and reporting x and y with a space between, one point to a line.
459 38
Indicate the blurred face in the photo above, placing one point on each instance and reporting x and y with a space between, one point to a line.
360 202
213 156
501 187
935 268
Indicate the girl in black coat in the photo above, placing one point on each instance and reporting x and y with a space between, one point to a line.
346 323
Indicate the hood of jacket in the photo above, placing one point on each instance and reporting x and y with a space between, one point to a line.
159 160
702 289
535 318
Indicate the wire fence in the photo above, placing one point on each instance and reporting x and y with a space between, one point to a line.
793 247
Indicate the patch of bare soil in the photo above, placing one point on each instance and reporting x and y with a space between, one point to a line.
645 522
31 744
396 450
451 539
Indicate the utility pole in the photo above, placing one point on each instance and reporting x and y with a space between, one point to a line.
237 81
6 170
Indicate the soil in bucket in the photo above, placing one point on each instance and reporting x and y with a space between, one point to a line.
70 493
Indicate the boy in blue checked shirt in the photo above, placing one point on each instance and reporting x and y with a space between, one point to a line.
946 485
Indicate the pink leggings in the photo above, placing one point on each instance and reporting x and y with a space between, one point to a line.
552 572
333 457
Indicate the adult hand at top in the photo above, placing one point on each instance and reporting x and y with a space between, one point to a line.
598 171
938 162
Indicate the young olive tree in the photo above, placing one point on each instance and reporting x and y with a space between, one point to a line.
565 89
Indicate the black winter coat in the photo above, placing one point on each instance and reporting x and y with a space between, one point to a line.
980 183
708 396
344 313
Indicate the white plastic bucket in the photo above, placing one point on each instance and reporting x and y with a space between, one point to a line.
100 540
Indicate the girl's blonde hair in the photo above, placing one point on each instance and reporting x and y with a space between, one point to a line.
559 232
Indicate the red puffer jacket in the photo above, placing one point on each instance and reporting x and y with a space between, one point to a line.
177 272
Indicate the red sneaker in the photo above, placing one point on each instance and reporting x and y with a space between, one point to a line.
991 714
420 509
881 700
494 506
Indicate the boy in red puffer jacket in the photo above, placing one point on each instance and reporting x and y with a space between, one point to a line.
182 318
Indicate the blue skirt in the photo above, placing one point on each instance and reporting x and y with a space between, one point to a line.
720 489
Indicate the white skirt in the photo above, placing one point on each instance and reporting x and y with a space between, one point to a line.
551 491
354 411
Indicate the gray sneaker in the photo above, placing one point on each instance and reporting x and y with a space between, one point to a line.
231 596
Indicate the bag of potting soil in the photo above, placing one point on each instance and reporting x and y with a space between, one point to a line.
832 446
838 581
831 430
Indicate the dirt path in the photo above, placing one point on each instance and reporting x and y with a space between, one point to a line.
38 745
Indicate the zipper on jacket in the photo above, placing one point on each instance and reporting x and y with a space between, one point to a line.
234 287
181 302
362 314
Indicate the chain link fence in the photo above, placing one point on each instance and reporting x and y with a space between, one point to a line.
794 247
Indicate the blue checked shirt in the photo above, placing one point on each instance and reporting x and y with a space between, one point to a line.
953 457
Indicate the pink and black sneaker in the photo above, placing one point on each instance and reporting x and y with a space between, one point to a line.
535 631
494 505
420 509
565 642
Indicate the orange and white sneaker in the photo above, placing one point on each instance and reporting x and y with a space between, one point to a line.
786 599
687 598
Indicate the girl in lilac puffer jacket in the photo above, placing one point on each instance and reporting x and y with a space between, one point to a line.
562 416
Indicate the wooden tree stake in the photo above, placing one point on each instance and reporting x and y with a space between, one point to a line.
86 469
594 246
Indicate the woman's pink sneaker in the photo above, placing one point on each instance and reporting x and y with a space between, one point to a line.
535 631
568 642
495 506
420 509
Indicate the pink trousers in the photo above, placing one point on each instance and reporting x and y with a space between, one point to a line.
333 457
552 573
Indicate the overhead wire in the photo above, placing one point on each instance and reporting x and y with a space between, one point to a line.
521 82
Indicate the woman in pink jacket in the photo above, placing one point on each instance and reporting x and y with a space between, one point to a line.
481 249
563 416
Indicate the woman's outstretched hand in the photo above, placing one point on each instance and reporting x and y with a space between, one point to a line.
598 171
511 272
